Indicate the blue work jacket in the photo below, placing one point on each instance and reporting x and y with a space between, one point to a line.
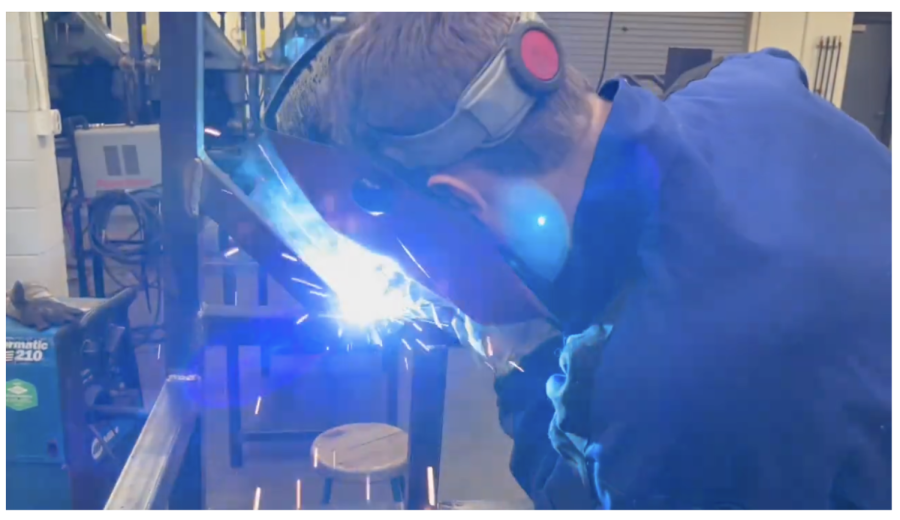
747 222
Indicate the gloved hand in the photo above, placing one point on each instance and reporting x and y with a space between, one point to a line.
503 347
34 306
571 392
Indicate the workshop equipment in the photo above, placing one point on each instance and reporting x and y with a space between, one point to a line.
118 157
73 407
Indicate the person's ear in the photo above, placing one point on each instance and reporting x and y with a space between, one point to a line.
462 192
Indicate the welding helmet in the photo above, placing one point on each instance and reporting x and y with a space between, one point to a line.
380 199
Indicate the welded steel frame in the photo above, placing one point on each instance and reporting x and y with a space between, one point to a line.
194 188
153 476
181 139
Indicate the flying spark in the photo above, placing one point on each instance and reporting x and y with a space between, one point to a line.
406 362
416 326
317 293
289 257
340 331
490 348
299 495
426 347
226 191
303 318
304 282
258 403
431 495
316 457
274 169
368 488
405 344
517 367
411 257
158 351
435 316
231 252
256 498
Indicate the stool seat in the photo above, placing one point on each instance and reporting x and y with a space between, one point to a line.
356 451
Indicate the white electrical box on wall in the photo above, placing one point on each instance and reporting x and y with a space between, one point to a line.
118 157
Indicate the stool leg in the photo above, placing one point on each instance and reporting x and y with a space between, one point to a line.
397 489
326 492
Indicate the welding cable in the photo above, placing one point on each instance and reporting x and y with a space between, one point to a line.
140 250
144 206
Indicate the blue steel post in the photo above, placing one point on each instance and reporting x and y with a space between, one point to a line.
426 424
181 136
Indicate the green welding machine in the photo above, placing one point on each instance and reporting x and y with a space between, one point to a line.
73 407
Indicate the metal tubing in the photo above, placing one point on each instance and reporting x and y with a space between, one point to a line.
820 69
262 293
262 36
253 75
189 492
233 381
136 53
224 202
426 423
837 64
229 279
281 35
181 137
78 237
252 325
829 48
158 457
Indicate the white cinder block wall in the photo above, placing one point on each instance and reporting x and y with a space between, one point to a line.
34 235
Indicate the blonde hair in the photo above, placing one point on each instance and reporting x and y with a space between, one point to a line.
404 72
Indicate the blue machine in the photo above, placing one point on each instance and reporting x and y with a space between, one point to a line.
73 407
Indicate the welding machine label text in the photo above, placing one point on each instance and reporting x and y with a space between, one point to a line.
31 351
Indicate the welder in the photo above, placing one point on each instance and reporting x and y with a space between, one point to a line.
717 260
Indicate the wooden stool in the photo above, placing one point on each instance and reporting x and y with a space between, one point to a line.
354 452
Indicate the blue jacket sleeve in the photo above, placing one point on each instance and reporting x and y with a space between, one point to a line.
525 415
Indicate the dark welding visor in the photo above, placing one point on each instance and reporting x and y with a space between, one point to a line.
381 202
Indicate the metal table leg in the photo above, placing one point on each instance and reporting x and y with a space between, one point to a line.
426 423
233 377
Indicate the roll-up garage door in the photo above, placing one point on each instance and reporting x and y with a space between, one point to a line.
640 42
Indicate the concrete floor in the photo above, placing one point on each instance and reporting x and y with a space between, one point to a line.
475 455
